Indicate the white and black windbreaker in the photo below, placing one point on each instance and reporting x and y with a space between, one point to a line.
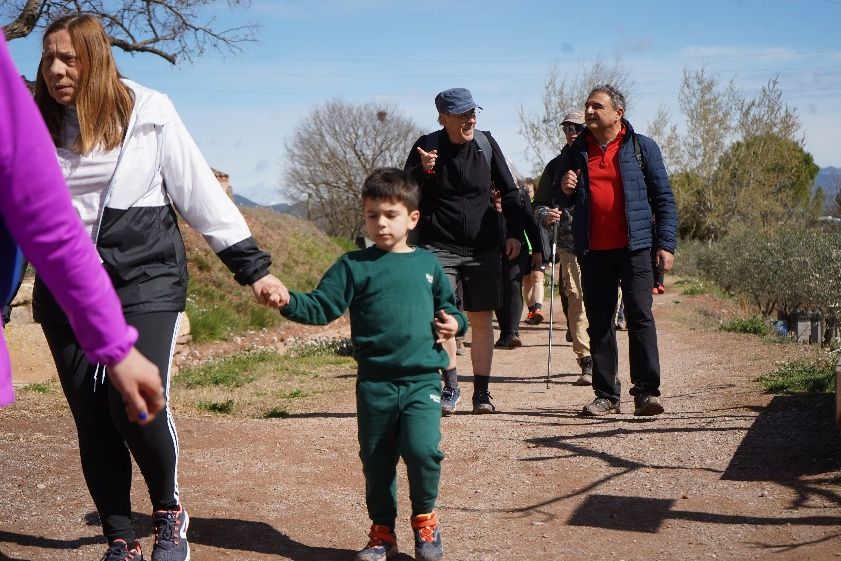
161 170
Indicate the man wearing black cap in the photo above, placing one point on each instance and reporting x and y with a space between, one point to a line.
456 167
547 214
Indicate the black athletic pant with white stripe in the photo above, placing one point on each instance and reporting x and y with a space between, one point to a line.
107 440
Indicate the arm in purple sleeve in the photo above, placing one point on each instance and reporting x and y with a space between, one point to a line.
35 207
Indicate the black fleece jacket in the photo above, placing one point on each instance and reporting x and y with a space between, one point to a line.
457 213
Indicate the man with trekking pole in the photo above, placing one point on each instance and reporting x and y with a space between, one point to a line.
559 222
615 179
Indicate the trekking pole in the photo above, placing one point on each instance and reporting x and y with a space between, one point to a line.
551 299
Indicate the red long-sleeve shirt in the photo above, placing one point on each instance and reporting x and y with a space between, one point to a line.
608 222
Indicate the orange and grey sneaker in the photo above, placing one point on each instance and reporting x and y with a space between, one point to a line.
120 551
428 544
171 535
382 545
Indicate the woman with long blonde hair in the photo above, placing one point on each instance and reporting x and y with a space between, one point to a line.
130 163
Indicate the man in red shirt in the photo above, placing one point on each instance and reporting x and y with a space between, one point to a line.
615 178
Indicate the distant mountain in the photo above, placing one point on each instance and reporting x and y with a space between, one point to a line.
297 209
828 179
239 200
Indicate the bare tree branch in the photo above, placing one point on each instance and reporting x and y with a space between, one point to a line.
332 151
170 29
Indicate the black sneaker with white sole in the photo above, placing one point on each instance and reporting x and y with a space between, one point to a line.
482 402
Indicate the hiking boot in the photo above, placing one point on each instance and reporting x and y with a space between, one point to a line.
382 545
460 348
601 406
482 402
450 398
508 342
647 405
537 318
659 288
428 544
586 377
530 318
171 535
568 336
119 551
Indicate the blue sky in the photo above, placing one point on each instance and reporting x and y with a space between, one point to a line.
242 108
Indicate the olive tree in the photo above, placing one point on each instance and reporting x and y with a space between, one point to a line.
333 149
170 29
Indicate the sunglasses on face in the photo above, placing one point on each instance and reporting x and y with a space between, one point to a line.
572 128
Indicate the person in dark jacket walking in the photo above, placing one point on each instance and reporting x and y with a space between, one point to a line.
455 168
548 213
616 179
513 271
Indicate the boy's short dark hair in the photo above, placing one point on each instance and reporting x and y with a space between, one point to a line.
393 185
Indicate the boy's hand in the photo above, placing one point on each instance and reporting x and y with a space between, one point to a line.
446 326
271 292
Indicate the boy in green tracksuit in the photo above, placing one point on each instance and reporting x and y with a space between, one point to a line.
401 309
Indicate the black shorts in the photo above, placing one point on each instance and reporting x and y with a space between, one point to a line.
480 277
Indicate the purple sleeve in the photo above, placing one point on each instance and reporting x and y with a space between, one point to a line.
35 206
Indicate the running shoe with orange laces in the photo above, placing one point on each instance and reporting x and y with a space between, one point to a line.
428 544
382 545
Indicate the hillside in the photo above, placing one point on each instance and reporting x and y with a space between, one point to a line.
218 306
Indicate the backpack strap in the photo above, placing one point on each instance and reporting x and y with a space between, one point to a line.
484 145
640 157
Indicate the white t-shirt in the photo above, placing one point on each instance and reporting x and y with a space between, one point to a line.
88 176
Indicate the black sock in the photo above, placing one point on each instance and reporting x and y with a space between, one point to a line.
480 383
538 306
451 377
531 308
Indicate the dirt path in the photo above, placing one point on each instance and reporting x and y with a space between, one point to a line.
726 473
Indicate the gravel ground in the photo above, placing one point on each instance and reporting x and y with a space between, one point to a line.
727 472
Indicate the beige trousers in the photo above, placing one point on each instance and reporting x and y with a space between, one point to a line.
577 314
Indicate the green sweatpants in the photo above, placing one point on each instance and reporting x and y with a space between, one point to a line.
399 419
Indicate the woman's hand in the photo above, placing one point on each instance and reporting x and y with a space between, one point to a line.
139 382
269 291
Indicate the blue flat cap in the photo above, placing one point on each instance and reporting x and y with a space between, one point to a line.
455 101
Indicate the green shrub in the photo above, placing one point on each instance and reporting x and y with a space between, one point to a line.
755 326
788 269
223 407
809 375
38 387
276 413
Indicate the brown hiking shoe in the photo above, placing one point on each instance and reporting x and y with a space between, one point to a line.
601 406
647 405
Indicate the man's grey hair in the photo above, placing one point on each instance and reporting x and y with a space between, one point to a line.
616 97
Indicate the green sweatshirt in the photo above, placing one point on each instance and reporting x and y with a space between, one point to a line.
393 298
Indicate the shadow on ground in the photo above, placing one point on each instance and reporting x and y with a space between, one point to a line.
793 438
222 533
